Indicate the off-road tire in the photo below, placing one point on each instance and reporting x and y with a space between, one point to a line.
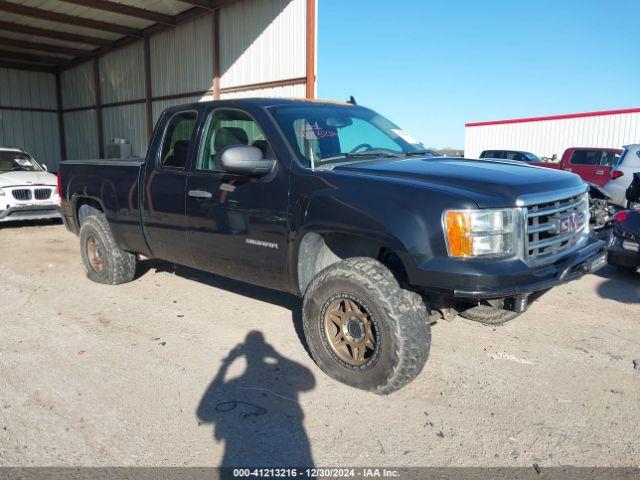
488 315
118 266
404 334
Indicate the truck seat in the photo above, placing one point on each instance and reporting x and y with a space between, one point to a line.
179 157
228 136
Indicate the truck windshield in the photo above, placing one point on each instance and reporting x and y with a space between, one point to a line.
324 134
11 161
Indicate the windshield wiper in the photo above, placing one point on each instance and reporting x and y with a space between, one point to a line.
374 153
330 162
420 152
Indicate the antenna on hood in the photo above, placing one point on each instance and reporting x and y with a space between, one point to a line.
352 100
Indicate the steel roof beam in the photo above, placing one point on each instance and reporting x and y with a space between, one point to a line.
46 33
28 57
127 10
43 47
26 66
68 19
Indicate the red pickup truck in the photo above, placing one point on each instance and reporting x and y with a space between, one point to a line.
593 165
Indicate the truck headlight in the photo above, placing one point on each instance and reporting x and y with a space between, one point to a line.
478 233
1 192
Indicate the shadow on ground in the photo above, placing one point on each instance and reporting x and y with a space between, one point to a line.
619 285
258 415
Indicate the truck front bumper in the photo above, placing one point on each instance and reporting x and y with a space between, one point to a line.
485 280
31 212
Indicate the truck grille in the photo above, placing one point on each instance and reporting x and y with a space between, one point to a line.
42 193
22 194
555 228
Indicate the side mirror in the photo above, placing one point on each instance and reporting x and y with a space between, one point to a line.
244 160
44 167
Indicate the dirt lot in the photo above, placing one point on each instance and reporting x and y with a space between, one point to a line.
136 375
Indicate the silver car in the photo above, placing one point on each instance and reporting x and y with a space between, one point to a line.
622 174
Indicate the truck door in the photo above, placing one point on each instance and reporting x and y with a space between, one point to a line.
163 190
608 159
584 162
238 225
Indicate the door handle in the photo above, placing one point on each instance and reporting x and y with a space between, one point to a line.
199 194
599 172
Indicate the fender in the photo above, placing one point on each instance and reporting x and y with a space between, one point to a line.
403 220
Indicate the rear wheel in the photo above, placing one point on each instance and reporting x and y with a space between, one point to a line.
363 329
103 260
488 315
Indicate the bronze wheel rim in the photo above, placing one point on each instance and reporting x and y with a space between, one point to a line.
95 254
350 331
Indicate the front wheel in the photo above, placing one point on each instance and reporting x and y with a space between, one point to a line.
103 260
363 329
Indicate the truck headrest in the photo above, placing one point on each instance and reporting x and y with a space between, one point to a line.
228 136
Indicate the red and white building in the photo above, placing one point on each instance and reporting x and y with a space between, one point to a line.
546 136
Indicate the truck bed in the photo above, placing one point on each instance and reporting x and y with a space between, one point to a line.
113 184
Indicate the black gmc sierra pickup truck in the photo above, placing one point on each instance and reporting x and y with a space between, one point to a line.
333 202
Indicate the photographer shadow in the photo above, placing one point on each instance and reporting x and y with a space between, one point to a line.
258 415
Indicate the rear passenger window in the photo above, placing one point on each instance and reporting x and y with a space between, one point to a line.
177 139
586 157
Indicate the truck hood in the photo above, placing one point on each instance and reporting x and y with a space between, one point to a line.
11 179
489 183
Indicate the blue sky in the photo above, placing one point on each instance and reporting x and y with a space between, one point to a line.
430 66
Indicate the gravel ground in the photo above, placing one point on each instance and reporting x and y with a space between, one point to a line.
148 373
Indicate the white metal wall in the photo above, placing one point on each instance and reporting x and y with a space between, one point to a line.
81 134
548 137
78 88
122 79
260 41
182 58
128 122
122 74
80 127
34 131
20 88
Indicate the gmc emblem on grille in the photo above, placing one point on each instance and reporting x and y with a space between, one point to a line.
568 223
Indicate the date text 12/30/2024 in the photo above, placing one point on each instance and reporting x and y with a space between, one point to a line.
315 473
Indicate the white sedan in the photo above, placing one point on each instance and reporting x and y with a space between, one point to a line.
27 191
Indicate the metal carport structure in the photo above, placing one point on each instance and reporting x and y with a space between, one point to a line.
75 74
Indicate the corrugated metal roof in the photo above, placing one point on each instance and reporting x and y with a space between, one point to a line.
61 27
38 23
58 6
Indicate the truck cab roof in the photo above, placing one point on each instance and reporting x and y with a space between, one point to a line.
262 102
